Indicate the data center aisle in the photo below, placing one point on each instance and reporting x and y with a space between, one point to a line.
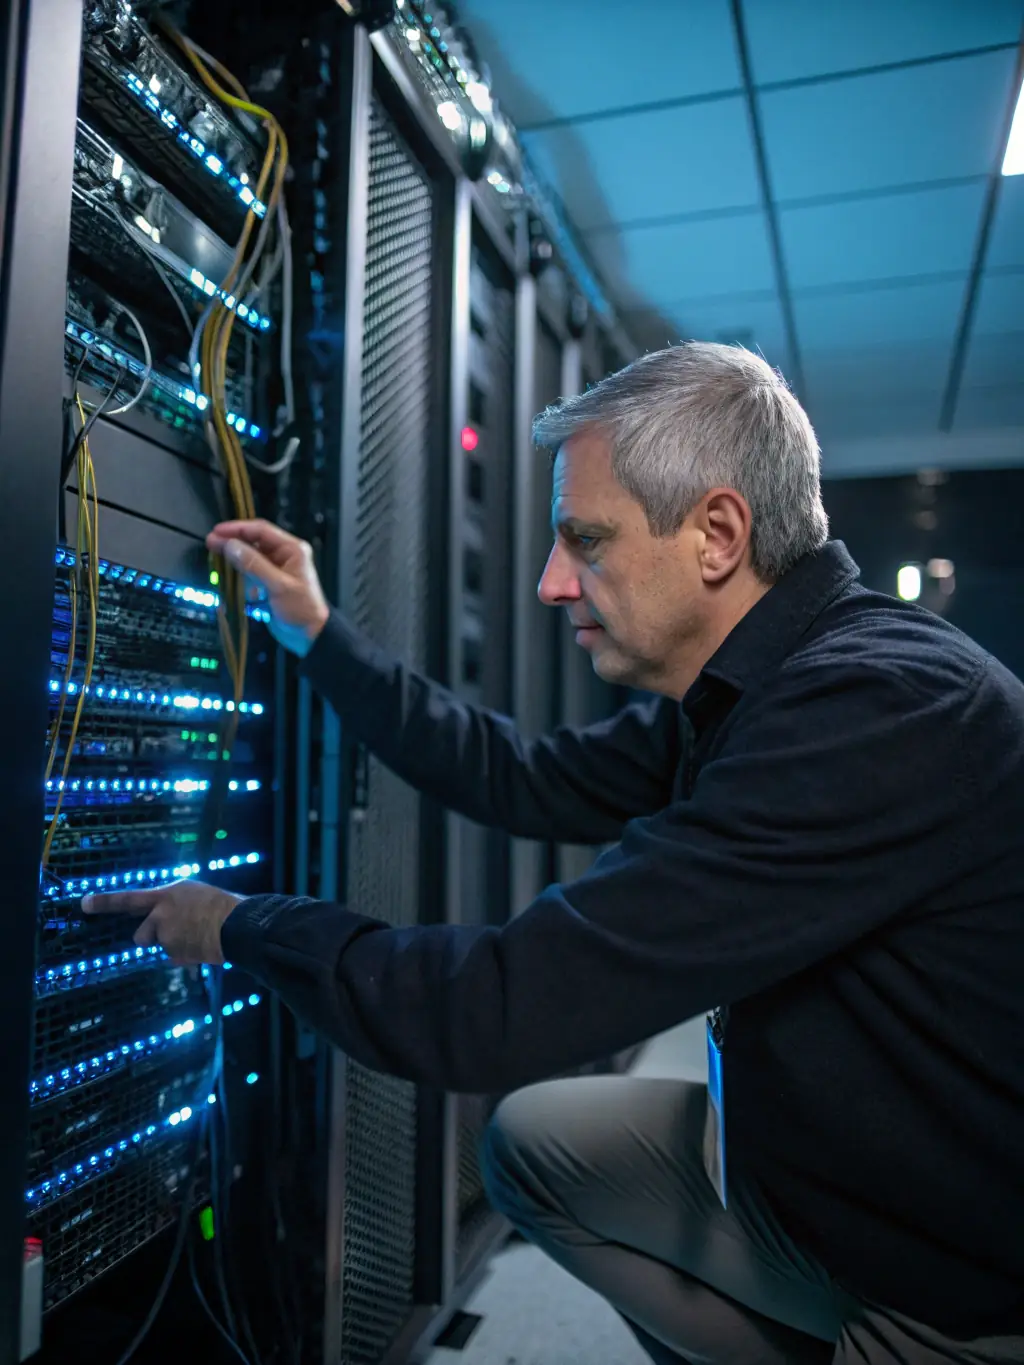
534 1313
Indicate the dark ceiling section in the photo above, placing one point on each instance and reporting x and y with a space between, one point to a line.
974 521
819 181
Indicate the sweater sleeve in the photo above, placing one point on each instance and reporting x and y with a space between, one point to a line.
574 786
780 859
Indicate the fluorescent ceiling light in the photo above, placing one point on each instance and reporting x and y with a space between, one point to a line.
1013 161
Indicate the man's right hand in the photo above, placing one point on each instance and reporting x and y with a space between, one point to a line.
283 567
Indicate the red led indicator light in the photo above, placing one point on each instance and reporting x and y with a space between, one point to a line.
470 439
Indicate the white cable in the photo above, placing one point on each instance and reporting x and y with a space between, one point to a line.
279 466
287 310
151 257
148 354
146 246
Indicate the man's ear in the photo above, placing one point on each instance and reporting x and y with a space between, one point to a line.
723 515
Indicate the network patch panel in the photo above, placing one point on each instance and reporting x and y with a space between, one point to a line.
94 1227
123 218
108 1164
144 90
126 1044
174 401
191 604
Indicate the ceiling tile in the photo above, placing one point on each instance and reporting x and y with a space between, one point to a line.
1006 245
991 405
869 318
650 165
928 123
854 415
661 265
1000 306
885 370
753 322
995 359
876 360
790 39
905 235
554 59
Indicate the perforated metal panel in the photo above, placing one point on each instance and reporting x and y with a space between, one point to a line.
487 532
390 596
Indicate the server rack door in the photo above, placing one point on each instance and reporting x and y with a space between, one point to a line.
386 591
481 593
537 665
585 698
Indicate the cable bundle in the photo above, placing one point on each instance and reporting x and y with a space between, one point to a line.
209 355
87 560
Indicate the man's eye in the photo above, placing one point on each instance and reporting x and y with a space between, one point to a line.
585 542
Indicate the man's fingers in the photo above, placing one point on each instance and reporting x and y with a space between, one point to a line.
147 935
122 902
254 565
257 532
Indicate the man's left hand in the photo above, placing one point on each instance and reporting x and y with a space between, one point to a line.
184 918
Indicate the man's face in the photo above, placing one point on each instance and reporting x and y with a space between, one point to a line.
634 598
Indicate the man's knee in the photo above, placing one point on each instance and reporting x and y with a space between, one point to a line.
509 1157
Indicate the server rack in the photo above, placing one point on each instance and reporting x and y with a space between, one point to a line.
387 577
125 185
418 321
480 597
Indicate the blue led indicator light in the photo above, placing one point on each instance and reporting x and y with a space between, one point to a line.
212 163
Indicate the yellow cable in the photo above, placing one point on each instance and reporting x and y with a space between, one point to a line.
58 721
87 534
232 618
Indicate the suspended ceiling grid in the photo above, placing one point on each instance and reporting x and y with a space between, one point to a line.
807 177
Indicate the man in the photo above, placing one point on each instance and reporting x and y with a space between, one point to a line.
819 842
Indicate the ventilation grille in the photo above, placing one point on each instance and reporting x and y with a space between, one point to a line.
390 603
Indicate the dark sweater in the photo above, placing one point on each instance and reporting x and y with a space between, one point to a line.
825 837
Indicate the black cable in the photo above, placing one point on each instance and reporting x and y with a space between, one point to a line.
278 1249
214 982
188 1200
222 1222
69 438
83 435
219 1230
220 1171
206 1306
78 370
57 881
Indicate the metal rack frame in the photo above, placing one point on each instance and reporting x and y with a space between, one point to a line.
37 131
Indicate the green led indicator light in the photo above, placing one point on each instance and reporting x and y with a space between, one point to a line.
184 734
212 738
214 577
206 1223
222 834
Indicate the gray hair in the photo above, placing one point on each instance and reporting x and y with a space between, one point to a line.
700 416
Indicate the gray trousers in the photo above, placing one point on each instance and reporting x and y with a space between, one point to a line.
606 1175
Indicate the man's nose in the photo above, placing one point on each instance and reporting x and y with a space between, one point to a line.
559 582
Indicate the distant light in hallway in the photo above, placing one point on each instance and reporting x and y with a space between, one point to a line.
908 582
